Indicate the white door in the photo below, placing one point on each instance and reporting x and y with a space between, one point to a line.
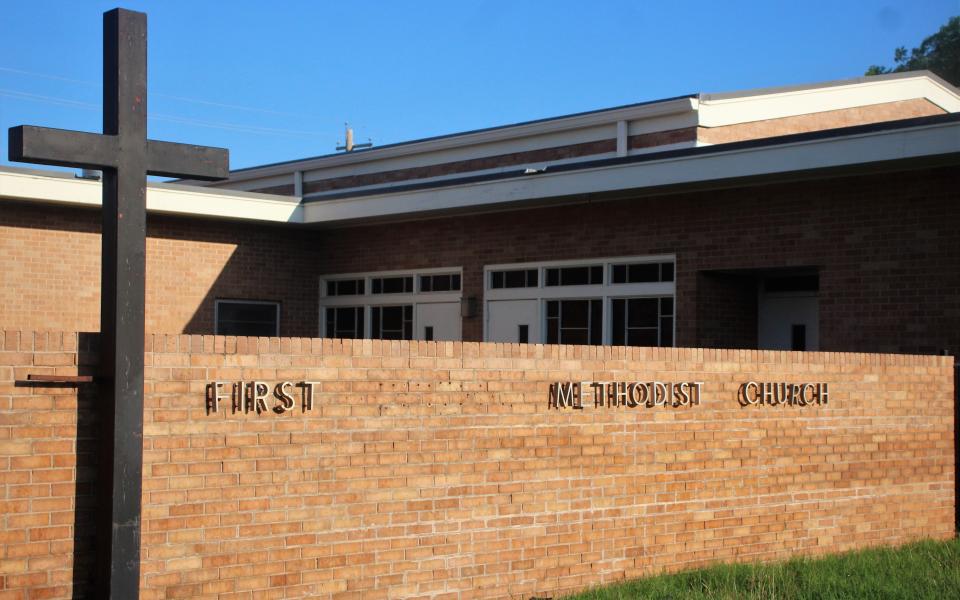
512 320
788 322
438 321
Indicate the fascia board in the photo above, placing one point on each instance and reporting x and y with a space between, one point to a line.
161 198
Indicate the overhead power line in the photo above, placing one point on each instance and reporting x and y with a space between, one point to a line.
29 97
158 94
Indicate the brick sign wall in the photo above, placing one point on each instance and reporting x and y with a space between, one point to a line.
448 470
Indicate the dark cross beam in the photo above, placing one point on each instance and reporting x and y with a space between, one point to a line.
126 157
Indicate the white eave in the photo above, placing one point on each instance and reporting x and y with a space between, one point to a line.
475 138
708 169
717 110
64 189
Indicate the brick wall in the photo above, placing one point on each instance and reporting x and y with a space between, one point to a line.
439 469
50 275
830 119
885 245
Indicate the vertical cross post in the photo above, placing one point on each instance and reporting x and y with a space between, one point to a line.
122 304
125 156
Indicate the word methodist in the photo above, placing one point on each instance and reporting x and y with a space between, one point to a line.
631 394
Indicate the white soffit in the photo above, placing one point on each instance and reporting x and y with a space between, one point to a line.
721 110
175 199
753 161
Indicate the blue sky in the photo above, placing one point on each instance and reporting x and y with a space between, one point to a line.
275 81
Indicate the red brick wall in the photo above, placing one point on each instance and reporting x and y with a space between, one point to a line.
50 273
439 468
830 119
886 245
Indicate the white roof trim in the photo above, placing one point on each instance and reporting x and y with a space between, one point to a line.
778 103
497 134
161 198
752 161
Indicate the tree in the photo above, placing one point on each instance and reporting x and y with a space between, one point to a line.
939 53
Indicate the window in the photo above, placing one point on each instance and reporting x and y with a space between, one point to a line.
641 273
247 317
642 321
575 322
345 322
589 300
392 285
392 305
392 322
513 279
345 287
592 275
440 283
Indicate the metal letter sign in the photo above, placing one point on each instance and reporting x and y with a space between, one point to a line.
126 157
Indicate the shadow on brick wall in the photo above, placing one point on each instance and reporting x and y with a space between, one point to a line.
88 456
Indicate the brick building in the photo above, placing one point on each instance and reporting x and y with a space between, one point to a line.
810 217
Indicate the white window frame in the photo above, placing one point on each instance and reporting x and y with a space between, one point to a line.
605 291
368 299
219 301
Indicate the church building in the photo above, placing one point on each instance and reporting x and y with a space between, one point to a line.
813 217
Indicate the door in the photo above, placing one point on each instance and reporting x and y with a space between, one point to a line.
788 322
438 321
513 321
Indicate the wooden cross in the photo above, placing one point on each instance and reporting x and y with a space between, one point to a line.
126 157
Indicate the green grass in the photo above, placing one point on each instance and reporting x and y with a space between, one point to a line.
925 569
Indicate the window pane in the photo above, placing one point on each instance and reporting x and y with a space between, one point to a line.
426 283
516 279
575 276
239 318
575 313
644 273
642 337
496 280
553 331
375 323
455 285
553 277
345 322
666 271
596 275
666 306
553 309
619 274
642 312
377 286
391 322
331 288
596 322
573 336
618 321
532 278
666 331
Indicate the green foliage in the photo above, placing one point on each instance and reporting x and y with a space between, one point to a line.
924 570
939 53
